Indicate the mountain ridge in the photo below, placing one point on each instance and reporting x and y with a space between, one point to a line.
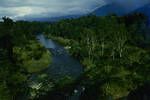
108 9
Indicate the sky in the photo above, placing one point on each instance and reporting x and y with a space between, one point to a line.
19 9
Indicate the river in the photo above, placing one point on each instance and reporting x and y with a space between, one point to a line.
62 64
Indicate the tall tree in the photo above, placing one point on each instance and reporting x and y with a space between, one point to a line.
6 42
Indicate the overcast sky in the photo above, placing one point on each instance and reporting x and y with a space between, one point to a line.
53 8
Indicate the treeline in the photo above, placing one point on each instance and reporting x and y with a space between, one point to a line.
20 56
113 50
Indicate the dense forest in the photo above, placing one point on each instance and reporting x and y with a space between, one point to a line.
20 56
114 51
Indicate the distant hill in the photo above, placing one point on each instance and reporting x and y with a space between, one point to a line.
53 19
145 10
119 10
110 9
104 10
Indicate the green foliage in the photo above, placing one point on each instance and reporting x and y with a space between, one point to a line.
108 47
112 50
64 81
60 40
4 92
20 55
40 86
33 57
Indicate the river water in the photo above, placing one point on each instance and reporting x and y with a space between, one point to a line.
62 64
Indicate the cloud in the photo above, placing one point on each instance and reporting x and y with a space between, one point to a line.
55 8
46 8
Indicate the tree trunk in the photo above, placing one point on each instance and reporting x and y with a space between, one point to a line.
103 46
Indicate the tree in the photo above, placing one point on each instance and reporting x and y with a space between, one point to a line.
6 37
